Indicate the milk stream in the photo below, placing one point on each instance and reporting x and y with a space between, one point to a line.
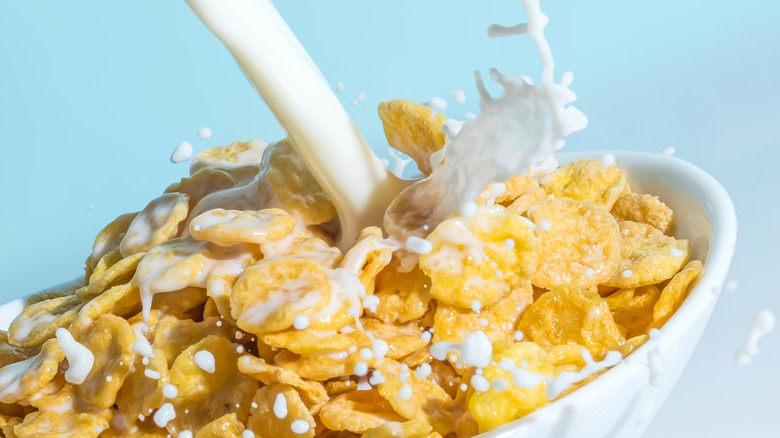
319 127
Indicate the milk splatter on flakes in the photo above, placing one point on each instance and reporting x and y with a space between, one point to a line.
763 323
280 406
80 359
205 361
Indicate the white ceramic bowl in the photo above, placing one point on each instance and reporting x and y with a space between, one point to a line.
622 402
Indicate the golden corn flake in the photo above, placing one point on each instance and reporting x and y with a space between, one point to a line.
172 335
310 341
121 300
632 344
646 209
403 295
291 420
23 380
184 303
368 256
271 293
572 315
507 192
495 407
402 339
10 354
675 292
209 385
649 260
142 394
64 425
156 223
413 129
38 323
109 238
633 229
407 429
587 181
632 308
315 250
479 258
321 366
117 273
527 199
226 426
416 399
295 188
204 182
227 157
453 324
110 341
312 393
228 227
358 412
580 243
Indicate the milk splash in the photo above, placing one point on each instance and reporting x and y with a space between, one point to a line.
518 130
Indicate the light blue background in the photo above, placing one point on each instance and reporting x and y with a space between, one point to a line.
95 95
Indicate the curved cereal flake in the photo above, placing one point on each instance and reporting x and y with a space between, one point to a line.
358 412
64 425
38 322
108 238
228 157
572 315
295 188
316 250
675 292
320 367
184 303
453 324
203 395
425 401
10 354
271 293
413 129
634 229
23 380
580 243
646 209
142 394
587 181
109 259
494 407
121 300
310 341
226 426
312 393
403 295
471 259
508 192
156 223
46 295
368 256
632 308
632 344
172 335
265 423
408 429
58 395
206 181
402 339
119 272
228 227
110 341
649 260
527 199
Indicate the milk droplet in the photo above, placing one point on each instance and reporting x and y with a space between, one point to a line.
109 378
476 305
354 102
509 243
437 103
590 272
459 96
80 359
668 151
500 384
380 348
426 336
627 273
205 361
371 302
366 353
300 426
675 252
361 96
731 286
479 383
544 226
301 322
165 414
418 245
247 434
361 369
91 207
423 371
405 393
280 406
339 87
470 116
204 133
469 209
183 152
518 335
608 159
184 434
152 374
376 378
170 391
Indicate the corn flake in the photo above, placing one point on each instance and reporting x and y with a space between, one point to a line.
228 227
110 341
580 243
358 412
226 426
264 421
312 393
156 223
38 323
471 259
587 181
70 425
675 292
646 209
403 295
649 260
413 129
632 308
